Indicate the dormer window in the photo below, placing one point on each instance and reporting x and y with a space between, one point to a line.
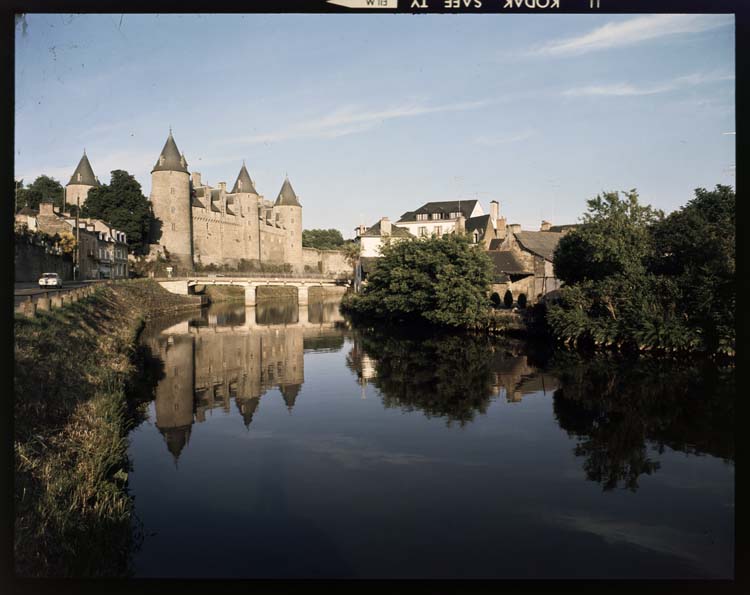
437 215
161 159
455 215
421 216
78 177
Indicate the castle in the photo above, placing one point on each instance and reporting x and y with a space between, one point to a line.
200 225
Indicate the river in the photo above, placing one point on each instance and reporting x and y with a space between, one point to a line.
285 443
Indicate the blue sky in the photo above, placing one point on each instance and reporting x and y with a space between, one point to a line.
373 115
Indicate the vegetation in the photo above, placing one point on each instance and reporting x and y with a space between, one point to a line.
71 417
442 281
634 279
122 205
322 239
44 188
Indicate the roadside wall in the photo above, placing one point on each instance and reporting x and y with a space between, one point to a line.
325 261
31 261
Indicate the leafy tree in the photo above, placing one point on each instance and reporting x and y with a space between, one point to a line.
352 251
322 239
123 205
635 279
438 280
613 239
42 189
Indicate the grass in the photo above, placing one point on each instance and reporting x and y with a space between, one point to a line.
73 370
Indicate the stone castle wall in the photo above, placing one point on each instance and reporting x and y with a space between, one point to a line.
170 200
325 261
77 194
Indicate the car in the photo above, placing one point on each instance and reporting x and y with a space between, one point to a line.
50 280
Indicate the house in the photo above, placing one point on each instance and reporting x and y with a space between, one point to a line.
464 216
371 240
523 262
103 250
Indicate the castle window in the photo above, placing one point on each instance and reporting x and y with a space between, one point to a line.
171 190
173 209
172 226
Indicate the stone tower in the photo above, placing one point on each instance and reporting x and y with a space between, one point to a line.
290 215
170 200
248 199
82 180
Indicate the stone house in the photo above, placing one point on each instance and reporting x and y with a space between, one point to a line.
523 262
103 250
462 216
371 240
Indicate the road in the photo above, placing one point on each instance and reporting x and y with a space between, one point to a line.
22 291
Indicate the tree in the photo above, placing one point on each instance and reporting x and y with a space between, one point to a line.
438 280
122 205
352 251
322 239
614 238
633 278
44 188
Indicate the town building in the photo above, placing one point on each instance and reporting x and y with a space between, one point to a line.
102 250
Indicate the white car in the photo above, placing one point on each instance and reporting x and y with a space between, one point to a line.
50 280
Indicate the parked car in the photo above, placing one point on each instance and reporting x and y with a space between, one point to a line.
50 280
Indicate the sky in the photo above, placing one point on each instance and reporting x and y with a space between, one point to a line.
373 115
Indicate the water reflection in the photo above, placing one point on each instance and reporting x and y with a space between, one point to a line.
232 353
454 377
622 412
618 409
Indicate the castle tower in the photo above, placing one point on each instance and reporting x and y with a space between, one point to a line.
248 213
82 180
290 215
170 200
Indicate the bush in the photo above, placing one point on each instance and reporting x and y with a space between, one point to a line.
442 281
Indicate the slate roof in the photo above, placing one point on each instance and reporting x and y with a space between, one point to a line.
495 243
507 262
27 211
173 161
477 223
465 207
286 196
542 243
244 183
87 174
396 232
215 195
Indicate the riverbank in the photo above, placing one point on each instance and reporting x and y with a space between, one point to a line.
73 370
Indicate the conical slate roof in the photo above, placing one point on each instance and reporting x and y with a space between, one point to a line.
244 183
170 158
287 197
87 174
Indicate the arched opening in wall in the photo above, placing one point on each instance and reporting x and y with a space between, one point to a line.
522 300
508 299
495 299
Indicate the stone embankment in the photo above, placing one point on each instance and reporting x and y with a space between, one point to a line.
76 364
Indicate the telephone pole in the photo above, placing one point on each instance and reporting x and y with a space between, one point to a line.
78 240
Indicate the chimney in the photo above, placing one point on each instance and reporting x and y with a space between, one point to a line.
385 226
545 226
196 179
461 224
494 210
500 230
360 229
46 208
515 227
223 186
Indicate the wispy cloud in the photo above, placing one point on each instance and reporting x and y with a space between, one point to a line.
626 89
491 141
351 120
730 133
633 31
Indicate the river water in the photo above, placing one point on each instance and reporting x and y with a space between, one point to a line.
282 442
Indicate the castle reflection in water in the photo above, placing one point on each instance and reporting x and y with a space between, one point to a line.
232 354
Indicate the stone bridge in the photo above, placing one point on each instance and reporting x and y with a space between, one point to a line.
188 285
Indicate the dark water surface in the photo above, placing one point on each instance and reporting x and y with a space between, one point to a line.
282 442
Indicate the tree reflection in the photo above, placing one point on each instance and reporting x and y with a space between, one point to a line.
442 375
618 409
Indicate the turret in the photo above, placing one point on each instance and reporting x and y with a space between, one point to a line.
248 199
290 215
170 200
82 180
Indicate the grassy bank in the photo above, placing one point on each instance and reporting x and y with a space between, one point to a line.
73 368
